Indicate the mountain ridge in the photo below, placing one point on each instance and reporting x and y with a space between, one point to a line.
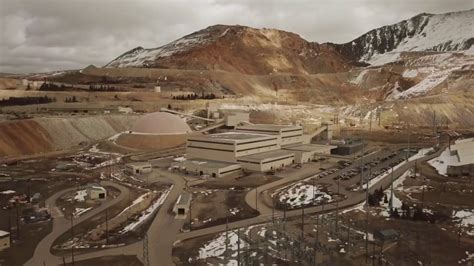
238 49
445 32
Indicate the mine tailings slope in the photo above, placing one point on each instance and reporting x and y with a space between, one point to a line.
40 135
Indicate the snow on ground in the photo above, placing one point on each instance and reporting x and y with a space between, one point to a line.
303 194
148 212
396 202
358 80
441 162
410 73
80 211
370 236
180 159
466 219
217 247
358 207
80 195
234 211
425 86
105 163
95 149
136 201
6 192
421 153
469 258
139 57
382 59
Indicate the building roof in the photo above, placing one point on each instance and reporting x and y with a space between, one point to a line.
232 136
4 233
263 156
98 188
268 127
95 186
184 198
161 123
387 233
309 147
139 164
209 163
465 150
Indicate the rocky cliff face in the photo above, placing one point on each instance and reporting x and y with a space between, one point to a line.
424 32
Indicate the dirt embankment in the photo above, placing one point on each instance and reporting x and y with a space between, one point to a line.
41 135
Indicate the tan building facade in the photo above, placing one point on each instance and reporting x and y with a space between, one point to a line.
4 240
250 147
138 168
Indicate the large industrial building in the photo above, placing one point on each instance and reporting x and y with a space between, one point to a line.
464 151
250 147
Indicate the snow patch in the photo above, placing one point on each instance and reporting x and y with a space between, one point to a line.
410 73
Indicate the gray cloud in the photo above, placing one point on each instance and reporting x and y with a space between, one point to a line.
37 36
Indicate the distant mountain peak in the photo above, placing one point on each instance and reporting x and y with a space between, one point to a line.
424 32
237 48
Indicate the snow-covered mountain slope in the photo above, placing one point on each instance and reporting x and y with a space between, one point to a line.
140 57
424 32
235 48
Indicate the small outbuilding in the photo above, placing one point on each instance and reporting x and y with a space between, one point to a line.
138 168
95 192
35 198
212 168
4 240
349 147
386 235
181 208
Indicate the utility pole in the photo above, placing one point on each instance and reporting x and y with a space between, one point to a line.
302 225
238 246
273 211
416 166
390 201
256 199
107 227
422 196
190 219
17 221
72 239
226 233
408 153
373 253
317 242
367 222
337 207
146 261
10 225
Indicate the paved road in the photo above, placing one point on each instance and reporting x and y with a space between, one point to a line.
164 229
161 233
264 204
354 199
61 225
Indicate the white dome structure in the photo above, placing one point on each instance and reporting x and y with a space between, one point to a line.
161 123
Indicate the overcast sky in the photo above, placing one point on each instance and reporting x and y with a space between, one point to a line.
46 35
